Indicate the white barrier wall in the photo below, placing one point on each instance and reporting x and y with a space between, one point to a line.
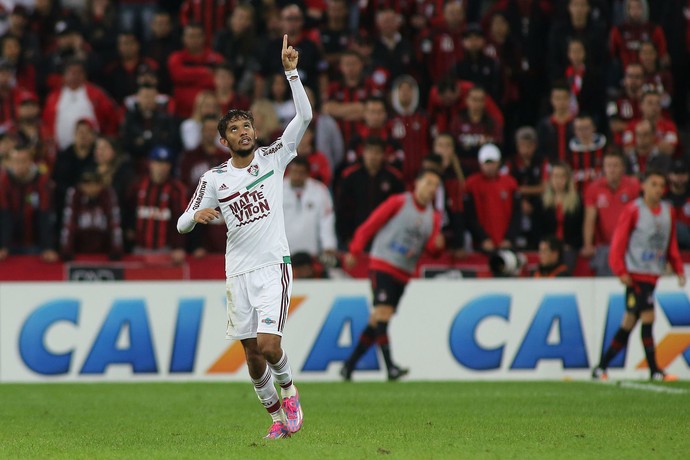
445 330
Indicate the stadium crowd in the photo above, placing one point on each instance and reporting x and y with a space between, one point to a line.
541 116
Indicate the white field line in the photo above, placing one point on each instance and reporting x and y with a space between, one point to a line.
646 387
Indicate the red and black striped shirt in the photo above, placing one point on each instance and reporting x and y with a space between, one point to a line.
157 208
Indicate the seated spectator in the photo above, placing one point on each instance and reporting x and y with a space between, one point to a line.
120 75
237 42
585 151
319 167
26 213
679 195
645 154
551 259
32 131
75 100
228 98
453 189
73 161
409 125
205 104
279 94
562 212
555 131
665 130
194 163
12 50
156 202
656 78
477 67
362 187
266 122
604 200
91 222
492 203
375 125
147 123
114 168
10 94
308 209
528 171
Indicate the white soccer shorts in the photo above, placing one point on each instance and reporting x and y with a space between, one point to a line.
257 301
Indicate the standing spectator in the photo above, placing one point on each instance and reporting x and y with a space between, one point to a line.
237 42
409 125
604 200
441 46
363 187
402 228
113 167
137 15
32 131
645 154
26 214
228 97
528 170
474 127
665 130
375 125
210 14
120 75
346 96
656 78
643 245
163 42
492 203
147 123
678 195
626 108
76 100
477 67
392 51
308 209
10 94
562 212
91 221
24 69
502 47
625 39
586 83
205 104
556 130
73 161
100 28
551 259
319 166
206 155
157 199
191 69
19 27
452 202
279 95
585 151
335 34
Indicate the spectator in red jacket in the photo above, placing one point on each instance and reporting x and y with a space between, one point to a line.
91 224
191 68
78 99
492 203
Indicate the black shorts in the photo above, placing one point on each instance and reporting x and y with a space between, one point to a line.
639 297
387 289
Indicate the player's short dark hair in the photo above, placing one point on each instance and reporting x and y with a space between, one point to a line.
300 161
654 172
231 115
375 141
424 171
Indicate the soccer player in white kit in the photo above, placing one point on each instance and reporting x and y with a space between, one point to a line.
248 189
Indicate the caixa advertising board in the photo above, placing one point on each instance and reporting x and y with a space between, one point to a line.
444 330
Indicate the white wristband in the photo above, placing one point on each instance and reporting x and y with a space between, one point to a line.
292 74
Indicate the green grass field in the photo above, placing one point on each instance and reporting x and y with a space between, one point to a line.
415 420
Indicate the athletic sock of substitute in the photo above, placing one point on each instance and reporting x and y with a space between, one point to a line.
268 395
283 375
383 343
648 344
620 340
367 338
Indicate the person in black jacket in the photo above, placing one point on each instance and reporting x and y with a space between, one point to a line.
562 212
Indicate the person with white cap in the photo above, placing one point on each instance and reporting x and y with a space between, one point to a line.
492 201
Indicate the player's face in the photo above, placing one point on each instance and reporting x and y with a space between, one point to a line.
425 188
653 188
240 137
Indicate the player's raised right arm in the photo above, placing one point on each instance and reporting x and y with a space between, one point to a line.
201 208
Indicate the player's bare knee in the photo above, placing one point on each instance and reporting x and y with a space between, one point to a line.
269 347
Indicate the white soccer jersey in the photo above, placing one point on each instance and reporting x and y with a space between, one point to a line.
251 199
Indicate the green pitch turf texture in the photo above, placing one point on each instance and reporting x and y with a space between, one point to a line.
415 420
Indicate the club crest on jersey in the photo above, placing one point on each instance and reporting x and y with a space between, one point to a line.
253 170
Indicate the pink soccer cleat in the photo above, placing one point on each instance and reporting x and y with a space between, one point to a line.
293 413
277 431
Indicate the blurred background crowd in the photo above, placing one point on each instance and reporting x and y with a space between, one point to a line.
541 116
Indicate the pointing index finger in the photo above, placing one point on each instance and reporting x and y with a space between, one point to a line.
285 43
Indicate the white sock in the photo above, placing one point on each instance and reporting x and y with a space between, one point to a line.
268 395
283 375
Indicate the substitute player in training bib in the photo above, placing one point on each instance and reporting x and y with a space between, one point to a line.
248 190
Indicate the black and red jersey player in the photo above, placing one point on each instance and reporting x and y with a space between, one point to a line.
157 199
346 96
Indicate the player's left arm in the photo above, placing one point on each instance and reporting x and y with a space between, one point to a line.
298 125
